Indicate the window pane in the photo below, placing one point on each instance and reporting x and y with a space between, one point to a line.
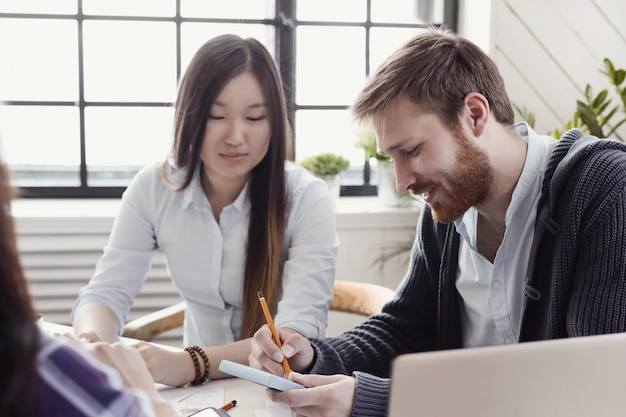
194 35
130 61
330 65
332 10
233 9
319 131
42 139
38 6
36 66
127 136
407 11
130 8
384 41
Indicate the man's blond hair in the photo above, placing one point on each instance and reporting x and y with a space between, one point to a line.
436 70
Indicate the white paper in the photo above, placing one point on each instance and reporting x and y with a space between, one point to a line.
189 399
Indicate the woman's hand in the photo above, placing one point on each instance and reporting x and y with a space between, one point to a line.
173 368
88 337
128 362
325 395
267 356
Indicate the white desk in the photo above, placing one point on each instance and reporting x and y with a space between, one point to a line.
250 397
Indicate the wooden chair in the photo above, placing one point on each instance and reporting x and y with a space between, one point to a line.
359 298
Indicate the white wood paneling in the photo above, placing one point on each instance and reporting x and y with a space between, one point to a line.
549 50
614 12
58 253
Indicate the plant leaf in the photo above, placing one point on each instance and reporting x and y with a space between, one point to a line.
606 118
610 68
588 93
589 119
602 108
600 99
618 77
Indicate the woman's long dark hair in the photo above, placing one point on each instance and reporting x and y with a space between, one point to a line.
217 62
19 335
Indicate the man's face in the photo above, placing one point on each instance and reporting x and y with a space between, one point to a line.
442 164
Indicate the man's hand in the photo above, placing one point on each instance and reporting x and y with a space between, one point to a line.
267 356
326 395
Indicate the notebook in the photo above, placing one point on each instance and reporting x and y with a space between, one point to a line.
577 377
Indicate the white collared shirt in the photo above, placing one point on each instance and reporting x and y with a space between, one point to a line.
206 259
493 293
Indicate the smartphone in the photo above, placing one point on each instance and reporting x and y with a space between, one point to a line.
257 376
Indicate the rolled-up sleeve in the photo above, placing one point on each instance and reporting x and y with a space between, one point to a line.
126 259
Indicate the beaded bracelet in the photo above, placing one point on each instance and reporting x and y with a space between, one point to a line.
200 376
207 364
196 364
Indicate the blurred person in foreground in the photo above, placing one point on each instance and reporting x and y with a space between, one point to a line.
43 375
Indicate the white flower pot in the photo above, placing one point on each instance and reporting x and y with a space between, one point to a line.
387 192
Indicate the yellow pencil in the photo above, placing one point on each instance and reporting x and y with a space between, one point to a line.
270 323
229 405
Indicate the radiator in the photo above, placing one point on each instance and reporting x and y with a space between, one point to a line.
59 256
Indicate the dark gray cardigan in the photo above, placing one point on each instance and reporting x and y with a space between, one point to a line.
576 281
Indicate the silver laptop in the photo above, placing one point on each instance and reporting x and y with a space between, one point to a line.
577 377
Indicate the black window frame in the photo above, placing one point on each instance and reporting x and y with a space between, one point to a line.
285 23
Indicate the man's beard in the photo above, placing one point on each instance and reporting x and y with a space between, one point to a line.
470 181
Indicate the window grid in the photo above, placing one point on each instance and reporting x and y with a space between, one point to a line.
285 24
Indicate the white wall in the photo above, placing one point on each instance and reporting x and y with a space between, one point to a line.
474 22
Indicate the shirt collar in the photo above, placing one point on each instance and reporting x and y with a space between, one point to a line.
534 167
194 194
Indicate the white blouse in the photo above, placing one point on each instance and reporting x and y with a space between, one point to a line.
205 258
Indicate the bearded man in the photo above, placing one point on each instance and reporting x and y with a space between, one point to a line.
523 237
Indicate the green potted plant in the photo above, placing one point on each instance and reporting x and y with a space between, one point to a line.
327 166
595 114
387 191
367 142
601 115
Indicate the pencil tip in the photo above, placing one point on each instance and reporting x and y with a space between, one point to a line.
260 294
234 402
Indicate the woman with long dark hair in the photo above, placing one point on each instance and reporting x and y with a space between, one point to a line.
232 216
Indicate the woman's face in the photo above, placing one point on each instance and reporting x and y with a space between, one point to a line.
237 132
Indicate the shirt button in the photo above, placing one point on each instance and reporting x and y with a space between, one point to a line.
496 285
508 340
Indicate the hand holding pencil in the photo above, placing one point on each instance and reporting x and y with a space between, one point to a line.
270 323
